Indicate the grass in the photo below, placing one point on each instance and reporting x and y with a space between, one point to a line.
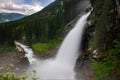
102 69
44 47
5 49
107 66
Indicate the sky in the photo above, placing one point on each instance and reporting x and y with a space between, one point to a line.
25 7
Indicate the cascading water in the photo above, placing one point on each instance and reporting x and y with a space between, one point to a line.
62 66
69 49
29 52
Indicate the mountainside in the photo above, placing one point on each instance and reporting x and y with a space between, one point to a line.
5 17
43 26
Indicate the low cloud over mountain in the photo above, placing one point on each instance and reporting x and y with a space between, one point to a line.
20 6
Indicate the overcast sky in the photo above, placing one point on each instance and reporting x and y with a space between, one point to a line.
25 7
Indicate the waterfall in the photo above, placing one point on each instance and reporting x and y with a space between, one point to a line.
28 52
69 49
62 66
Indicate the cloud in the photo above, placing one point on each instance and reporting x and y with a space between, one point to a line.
11 6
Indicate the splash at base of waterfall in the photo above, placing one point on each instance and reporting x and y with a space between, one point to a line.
62 66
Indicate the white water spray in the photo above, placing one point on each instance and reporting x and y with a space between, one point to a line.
29 52
62 66
70 47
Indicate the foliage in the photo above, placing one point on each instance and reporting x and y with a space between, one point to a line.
42 26
102 69
92 44
107 40
39 27
10 75
43 47
6 49
105 22
109 63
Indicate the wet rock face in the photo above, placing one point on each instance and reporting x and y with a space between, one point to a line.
20 58
88 9
82 68
20 49
24 61
88 34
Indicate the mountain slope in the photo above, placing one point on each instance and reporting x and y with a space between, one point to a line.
5 17
38 27
42 26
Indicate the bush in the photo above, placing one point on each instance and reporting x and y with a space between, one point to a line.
10 75
43 47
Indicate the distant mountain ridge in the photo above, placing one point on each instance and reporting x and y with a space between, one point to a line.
43 26
5 17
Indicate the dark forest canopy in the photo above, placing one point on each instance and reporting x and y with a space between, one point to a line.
42 26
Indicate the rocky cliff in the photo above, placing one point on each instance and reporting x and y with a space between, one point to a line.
101 44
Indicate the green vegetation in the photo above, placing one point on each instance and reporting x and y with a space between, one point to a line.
10 75
42 26
39 27
43 47
6 49
105 22
102 69
107 66
106 40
